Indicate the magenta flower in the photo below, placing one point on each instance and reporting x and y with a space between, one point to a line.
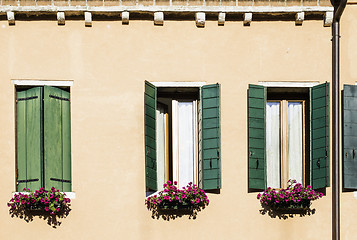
294 193
189 195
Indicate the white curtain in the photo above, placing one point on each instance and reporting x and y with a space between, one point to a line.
295 152
183 150
273 144
161 147
185 143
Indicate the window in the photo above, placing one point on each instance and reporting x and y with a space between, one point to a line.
43 138
288 132
182 136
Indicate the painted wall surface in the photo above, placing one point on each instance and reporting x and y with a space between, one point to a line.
108 64
348 76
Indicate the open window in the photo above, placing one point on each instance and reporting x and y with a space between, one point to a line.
288 132
182 136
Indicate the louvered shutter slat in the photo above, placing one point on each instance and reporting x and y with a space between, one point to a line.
210 137
150 98
29 139
350 137
320 136
256 137
57 139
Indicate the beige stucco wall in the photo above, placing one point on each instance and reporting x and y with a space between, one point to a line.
348 76
108 64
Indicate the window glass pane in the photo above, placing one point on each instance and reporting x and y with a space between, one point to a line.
295 149
273 144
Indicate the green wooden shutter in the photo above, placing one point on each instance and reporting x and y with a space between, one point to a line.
57 139
320 136
29 139
350 137
150 136
210 137
256 137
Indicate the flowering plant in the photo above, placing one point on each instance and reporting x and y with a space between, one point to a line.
52 201
189 197
294 196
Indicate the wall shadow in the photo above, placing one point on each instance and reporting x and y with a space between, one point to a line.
286 213
28 215
172 214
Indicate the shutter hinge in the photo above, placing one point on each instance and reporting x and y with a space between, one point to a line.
27 98
59 98
60 180
28 180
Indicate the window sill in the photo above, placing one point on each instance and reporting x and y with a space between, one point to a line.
70 195
355 195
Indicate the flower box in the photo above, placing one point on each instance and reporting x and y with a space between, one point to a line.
292 207
167 205
174 201
295 198
40 201
175 208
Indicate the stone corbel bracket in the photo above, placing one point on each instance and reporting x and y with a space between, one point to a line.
11 18
299 18
328 19
159 18
60 18
88 19
247 18
200 19
125 17
221 18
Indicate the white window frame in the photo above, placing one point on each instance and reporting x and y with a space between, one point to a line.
54 83
32 82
